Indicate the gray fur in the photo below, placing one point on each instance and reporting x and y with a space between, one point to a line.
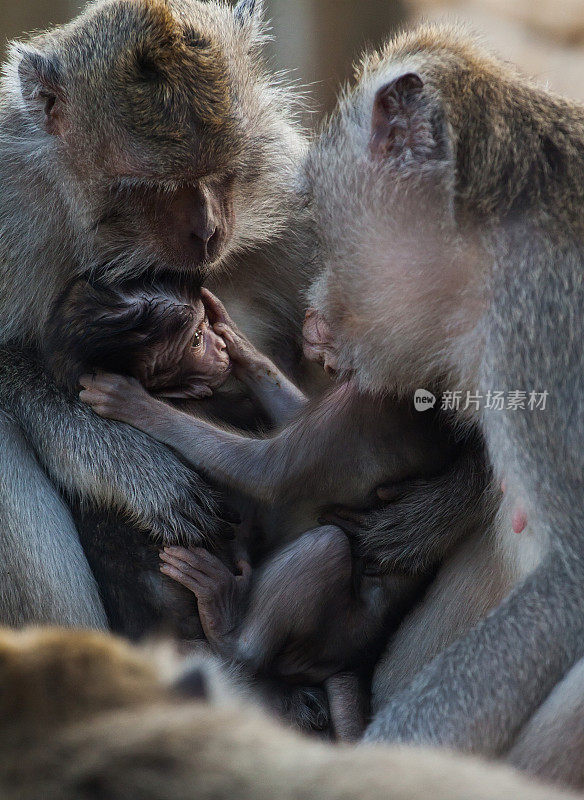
63 588
468 233
50 231
552 742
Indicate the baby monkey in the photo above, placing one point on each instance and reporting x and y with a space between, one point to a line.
312 612
162 337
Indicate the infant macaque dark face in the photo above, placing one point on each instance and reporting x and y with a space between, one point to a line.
191 354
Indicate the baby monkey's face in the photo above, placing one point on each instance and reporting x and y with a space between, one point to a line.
190 358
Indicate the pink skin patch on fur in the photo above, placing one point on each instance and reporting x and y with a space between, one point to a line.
519 515
318 341
519 519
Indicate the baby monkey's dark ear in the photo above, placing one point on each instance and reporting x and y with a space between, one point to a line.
395 122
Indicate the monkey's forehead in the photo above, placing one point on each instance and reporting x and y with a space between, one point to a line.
151 66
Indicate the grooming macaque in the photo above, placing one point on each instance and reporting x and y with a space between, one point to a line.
86 716
144 138
452 190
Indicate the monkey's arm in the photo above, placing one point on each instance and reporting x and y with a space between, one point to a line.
424 517
478 693
278 396
105 463
302 456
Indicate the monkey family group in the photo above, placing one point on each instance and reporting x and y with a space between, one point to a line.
237 536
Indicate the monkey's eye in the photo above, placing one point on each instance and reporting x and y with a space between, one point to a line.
198 338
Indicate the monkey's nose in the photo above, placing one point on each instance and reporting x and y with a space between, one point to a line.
204 229
207 237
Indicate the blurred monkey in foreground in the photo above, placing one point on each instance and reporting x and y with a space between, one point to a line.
86 716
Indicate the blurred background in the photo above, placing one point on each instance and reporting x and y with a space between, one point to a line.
317 40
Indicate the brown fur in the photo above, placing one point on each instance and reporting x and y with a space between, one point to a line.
92 718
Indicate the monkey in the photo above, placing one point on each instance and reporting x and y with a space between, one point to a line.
142 138
165 339
161 335
453 187
87 715
299 463
325 618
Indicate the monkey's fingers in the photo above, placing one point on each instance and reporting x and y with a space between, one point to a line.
101 404
237 347
107 381
351 522
180 577
215 308
197 558
195 391
205 582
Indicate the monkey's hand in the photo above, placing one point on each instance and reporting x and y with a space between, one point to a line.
278 396
121 398
247 359
220 594
421 519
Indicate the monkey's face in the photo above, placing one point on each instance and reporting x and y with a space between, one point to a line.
162 126
397 274
191 356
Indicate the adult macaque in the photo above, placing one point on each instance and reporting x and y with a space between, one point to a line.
454 189
143 138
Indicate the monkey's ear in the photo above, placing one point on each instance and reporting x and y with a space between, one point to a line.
193 684
41 86
395 108
250 13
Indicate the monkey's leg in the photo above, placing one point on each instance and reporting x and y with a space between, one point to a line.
551 745
44 575
478 694
473 580
346 704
